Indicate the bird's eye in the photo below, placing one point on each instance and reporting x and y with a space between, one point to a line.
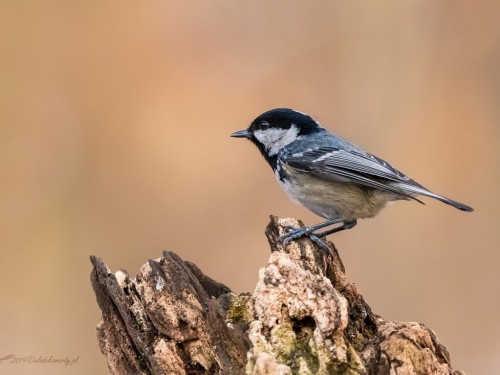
263 125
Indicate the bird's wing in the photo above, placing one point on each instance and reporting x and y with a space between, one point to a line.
350 165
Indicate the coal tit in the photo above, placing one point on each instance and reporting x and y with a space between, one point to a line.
327 174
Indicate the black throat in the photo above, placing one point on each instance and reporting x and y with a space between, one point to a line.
272 160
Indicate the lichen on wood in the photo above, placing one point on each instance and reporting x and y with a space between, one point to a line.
304 317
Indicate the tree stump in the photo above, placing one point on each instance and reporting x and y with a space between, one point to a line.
303 317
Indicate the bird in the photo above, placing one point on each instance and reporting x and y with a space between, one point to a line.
327 174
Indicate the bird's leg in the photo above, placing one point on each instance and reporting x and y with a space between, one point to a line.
309 231
345 225
319 238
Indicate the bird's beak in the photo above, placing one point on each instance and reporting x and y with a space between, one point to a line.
242 134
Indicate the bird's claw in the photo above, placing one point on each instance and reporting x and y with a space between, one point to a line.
290 228
293 233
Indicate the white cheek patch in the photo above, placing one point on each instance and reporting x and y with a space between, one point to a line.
275 139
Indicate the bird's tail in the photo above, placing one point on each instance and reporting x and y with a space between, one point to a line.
451 202
416 189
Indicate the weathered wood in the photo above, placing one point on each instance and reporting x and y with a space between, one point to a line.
304 317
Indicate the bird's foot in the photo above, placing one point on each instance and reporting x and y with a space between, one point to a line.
293 233
318 238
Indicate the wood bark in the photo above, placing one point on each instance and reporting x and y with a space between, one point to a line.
304 317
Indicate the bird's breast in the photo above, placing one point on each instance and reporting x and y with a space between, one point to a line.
330 199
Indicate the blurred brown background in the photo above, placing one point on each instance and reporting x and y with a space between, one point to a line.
115 122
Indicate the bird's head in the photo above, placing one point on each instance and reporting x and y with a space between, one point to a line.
275 129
